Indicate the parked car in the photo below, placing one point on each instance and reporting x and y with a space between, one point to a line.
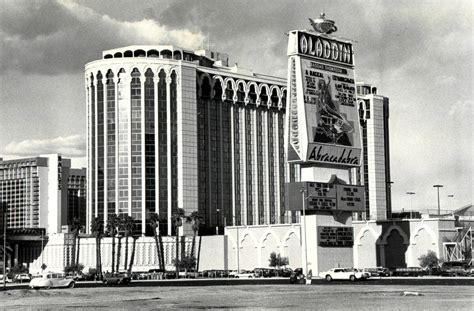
297 276
379 271
22 278
264 272
365 274
244 274
116 278
342 274
410 271
76 277
284 272
455 268
169 275
50 279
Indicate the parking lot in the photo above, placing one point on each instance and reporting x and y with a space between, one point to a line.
334 296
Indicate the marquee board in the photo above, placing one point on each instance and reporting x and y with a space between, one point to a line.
322 118
324 197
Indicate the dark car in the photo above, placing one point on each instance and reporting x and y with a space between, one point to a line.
285 272
169 275
455 268
264 273
297 276
116 278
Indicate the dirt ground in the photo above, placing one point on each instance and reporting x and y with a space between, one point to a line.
315 297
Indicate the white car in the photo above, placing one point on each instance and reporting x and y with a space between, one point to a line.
342 274
244 275
51 279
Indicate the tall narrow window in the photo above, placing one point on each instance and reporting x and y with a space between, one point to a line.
110 188
100 146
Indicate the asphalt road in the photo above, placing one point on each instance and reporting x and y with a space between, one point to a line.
324 296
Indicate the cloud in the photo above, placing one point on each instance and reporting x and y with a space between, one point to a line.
52 37
68 146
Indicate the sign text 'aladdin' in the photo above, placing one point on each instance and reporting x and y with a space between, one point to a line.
324 48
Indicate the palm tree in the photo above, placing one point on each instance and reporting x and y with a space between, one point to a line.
178 222
196 220
75 228
112 232
132 256
128 226
155 224
97 229
120 224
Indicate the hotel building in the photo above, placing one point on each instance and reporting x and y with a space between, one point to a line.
169 128
42 192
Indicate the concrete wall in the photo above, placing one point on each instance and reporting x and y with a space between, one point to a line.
256 243
399 243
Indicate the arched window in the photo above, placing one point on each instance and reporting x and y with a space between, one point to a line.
229 91
153 53
218 90
240 93
128 54
177 55
206 88
166 54
118 55
111 142
263 96
108 56
274 98
139 53
252 94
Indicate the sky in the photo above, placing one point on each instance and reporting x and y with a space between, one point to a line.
419 54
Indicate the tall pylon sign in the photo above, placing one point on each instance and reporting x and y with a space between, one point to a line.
322 114
323 137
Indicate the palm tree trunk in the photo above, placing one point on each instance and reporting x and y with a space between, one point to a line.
78 248
158 250
198 254
132 256
119 251
73 255
193 244
100 258
97 255
113 254
162 255
177 253
126 254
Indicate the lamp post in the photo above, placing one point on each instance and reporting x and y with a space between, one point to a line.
304 233
439 208
304 225
238 244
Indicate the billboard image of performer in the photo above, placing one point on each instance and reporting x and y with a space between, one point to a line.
333 126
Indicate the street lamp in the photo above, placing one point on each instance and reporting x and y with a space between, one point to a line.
437 187
304 233
304 225
238 244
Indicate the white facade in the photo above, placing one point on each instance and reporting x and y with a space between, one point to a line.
375 170
169 128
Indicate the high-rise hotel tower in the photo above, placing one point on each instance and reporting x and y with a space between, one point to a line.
169 128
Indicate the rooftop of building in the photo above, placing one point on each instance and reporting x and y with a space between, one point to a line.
205 58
